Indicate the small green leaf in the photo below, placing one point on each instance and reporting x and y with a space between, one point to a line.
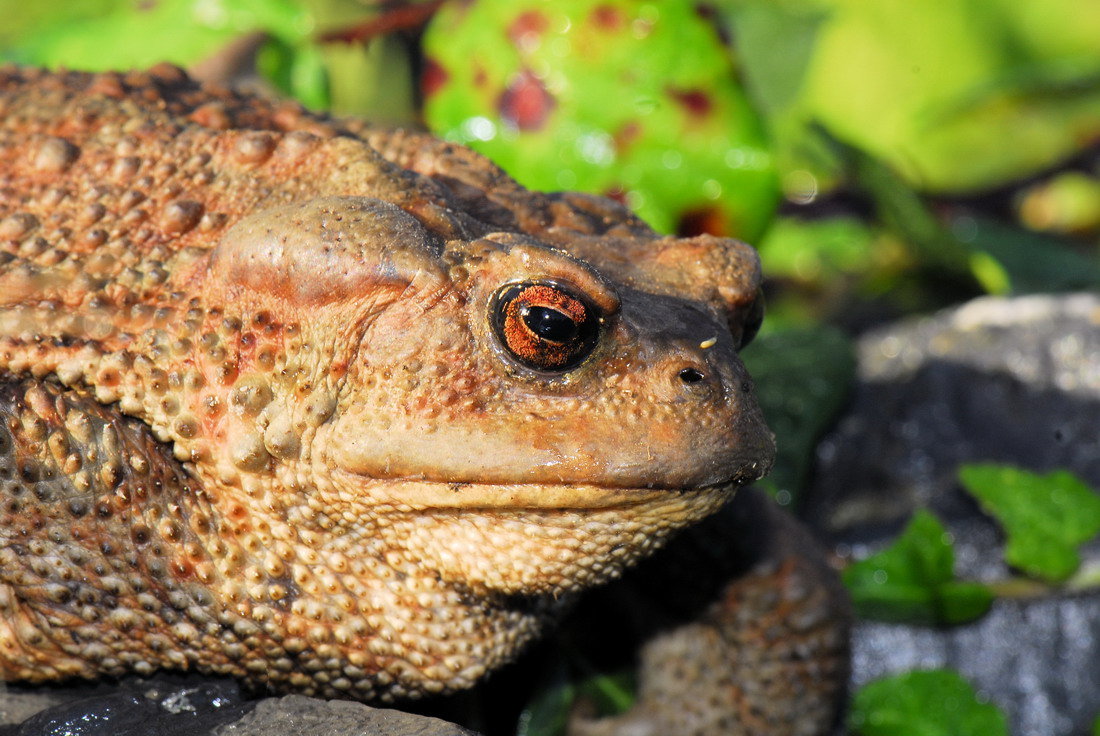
990 274
547 713
1045 517
924 703
613 692
1096 727
1031 262
912 581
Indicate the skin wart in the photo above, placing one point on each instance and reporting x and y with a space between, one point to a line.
331 409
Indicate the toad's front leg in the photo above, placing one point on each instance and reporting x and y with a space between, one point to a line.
116 558
101 566
746 631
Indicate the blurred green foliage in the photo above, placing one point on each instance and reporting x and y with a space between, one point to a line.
802 380
570 678
1045 517
375 79
117 34
913 581
924 703
958 95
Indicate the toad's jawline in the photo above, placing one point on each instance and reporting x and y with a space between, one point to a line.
528 496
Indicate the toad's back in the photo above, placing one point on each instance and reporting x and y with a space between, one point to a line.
325 407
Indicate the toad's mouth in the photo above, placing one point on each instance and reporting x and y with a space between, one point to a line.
434 494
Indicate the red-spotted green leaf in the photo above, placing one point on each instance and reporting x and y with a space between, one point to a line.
638 101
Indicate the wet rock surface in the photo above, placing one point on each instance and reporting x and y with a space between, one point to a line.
1013 381
192 705
166 704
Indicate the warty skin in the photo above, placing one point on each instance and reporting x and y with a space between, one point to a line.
330 409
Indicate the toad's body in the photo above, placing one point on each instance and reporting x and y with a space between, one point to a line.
327 408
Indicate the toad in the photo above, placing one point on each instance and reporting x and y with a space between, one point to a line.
331 409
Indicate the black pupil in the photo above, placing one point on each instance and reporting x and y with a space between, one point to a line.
549 324
691 375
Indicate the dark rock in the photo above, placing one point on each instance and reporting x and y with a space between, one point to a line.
1004 380
1013 381
297 715
167 705
17 706
193 705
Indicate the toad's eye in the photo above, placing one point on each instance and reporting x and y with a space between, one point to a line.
543 326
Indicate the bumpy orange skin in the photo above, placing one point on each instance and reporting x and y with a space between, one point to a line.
256 419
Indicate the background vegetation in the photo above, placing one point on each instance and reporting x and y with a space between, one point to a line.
887 158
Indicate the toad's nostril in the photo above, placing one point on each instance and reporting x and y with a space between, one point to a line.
691 375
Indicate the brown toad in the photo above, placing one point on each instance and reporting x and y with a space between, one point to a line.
327 408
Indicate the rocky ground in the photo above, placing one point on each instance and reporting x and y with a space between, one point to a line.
1013 381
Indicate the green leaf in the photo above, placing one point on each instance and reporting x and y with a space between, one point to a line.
547 713
990 273
127 34
1045 517
924 703
902 209
912 581
775 44
612 692
885 73
638 101
817 250
802 379
1031 262
569 678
